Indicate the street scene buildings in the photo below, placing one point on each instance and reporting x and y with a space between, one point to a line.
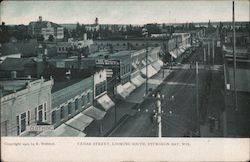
185 79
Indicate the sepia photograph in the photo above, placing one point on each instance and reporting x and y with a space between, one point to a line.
159 75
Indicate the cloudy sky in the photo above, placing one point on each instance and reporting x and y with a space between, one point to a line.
122 12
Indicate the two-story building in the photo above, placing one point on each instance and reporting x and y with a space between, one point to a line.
24 102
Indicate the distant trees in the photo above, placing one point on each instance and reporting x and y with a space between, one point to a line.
20 32
51 38
40 38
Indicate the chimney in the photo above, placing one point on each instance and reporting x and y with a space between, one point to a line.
85 36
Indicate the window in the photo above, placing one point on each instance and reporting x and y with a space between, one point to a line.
45 111
40 113
61 113
83 101
22 120
53 117
117 44
88 97
4 128
100 88
69 108
28 117
36 114
17 123
76 104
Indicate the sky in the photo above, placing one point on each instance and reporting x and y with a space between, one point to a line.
122 12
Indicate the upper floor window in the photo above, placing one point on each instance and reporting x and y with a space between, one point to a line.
76 104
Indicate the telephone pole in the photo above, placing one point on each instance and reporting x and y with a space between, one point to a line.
146 69
204 55
234 71
159 115
213 51
197 99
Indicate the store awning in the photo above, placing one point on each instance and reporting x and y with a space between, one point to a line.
189 45
173 54
63 131
151 71
182 49
134 65
105 102
157 65
138 80
80 121
95 113
129 87
121 91
143 62
150 59
178 52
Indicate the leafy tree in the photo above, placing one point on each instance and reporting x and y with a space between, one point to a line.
40 38
51 38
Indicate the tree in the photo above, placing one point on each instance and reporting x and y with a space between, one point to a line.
51 38
40 38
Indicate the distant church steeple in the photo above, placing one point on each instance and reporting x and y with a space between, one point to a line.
96 21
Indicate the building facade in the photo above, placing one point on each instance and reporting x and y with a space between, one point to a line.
79 97
27 106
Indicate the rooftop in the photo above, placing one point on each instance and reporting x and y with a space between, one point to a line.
10 86
16 64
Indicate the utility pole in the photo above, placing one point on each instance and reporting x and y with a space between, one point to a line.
159 115
213 51
116 77
197 99
147 69
234 55
208 50
204 56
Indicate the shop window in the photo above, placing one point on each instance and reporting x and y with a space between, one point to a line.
61 113
22 121
83 101
76 104
69 108
53 117
88 97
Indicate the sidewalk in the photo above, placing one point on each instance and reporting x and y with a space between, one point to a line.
124 107
137 95
214 107
108 122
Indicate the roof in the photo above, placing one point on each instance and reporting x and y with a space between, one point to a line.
71 88
122 53
133 39
9 86
16 64
43 24
97 54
